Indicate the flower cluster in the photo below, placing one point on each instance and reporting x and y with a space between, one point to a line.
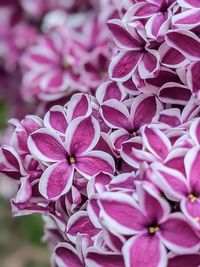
115 170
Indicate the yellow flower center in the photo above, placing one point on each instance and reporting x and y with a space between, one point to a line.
153 229
72 160
65 64
134 134
192 198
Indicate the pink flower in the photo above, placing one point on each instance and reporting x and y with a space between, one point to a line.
135 53
150 222
65 156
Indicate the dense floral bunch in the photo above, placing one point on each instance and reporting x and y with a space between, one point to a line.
115 170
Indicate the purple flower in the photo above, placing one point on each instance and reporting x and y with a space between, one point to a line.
151 223
65 156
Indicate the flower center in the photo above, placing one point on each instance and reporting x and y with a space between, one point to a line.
192 198
72 160
153 229
65 64
134 134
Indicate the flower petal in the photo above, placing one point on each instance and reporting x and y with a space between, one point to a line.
192 260
96 259
188 19
56 119
156 142
171 57
79 223
79 105
123 65
189 3
195 131
178 236
94 162
116 114
191 210
184 41
149 65
110 90
65 256
46 146
56 180
143 109
170 181
82 135
193 78
174 93
192 168
122 212
121 36
144 251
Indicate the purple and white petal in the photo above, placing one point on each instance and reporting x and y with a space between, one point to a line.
56 180
56 119
156 142
116 114
82 135
46 145
143 109
65 255
80 223
122 212
188 19
144 251
184 41
123 39
178 236
78 106
149 65
94 162
124 65
174 93
170 181
193 78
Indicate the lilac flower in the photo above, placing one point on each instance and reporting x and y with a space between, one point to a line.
155 14
75 153
128 123
135 53
150 222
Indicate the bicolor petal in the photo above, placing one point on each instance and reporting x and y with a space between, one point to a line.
45 145
56 180
144 251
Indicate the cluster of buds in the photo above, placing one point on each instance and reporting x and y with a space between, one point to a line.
114 171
